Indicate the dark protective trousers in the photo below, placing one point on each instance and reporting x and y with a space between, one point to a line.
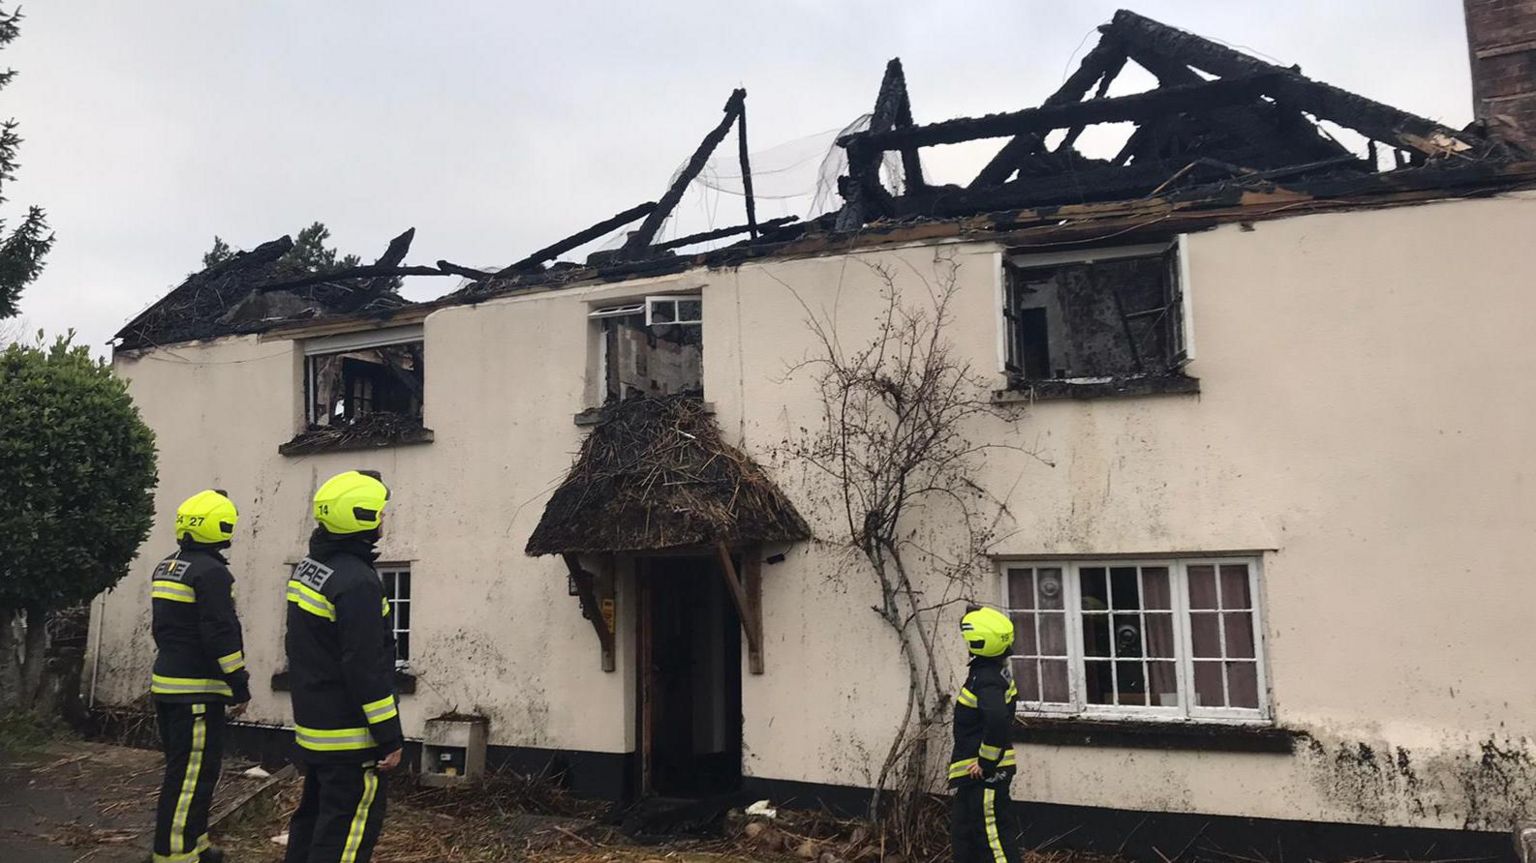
192 738
981 824
340 815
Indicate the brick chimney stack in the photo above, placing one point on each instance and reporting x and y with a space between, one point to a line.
1501 37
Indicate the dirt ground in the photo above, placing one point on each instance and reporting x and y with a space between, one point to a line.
73 801
69 801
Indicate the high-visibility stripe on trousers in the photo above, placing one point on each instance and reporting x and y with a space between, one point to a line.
339 817
981 824
192 738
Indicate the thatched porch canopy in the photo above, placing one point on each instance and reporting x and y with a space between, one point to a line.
653 475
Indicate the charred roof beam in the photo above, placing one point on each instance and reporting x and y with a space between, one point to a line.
1102 65
1368 117
642 238
1133 108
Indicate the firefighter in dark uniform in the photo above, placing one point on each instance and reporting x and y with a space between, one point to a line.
341 660
199 670
981 765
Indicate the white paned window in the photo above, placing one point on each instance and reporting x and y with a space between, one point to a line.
397 592
1160 639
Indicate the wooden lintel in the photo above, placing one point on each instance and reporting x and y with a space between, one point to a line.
747 610
592 609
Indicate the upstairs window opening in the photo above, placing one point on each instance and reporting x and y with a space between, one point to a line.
350 383
650 347
1113 314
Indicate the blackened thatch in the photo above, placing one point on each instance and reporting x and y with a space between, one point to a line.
230 297
654 474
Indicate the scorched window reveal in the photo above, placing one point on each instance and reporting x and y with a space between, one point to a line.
1161 639
650 347
362 375
1090 316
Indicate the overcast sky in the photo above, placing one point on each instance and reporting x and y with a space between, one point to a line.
495 127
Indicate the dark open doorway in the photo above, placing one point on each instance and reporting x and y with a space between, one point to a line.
690 679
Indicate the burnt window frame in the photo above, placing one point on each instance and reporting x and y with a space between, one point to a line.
337 346
1013 359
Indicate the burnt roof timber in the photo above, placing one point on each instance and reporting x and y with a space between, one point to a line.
721 233
1110 74
1370 118
583 236
461 270
393 255
367 271
1244 120
1096 66
642 237
862 193
1138 106
746 169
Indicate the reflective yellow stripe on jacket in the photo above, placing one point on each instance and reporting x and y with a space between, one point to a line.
960 769
233 662
966 698
174 591
333 739
311 600
161 684
381 711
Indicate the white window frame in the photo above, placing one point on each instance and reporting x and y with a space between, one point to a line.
673 300
1184 661
397 569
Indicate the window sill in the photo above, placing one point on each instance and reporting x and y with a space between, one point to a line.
1143 734
1097 388
593 416
405 682
357 437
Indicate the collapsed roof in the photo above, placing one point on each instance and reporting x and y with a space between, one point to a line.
1222 137
253 291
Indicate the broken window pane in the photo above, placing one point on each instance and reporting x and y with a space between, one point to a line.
1094 319
663 358
346 387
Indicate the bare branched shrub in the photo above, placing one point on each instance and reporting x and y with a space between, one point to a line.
893 453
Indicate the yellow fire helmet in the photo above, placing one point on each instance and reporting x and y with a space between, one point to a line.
987 631
208 516
351 502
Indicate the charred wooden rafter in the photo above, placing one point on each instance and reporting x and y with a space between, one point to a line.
638 241
466 272
370 271
1101 64
862 193
535 261
722 233
1138 107
1373 119
394 255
